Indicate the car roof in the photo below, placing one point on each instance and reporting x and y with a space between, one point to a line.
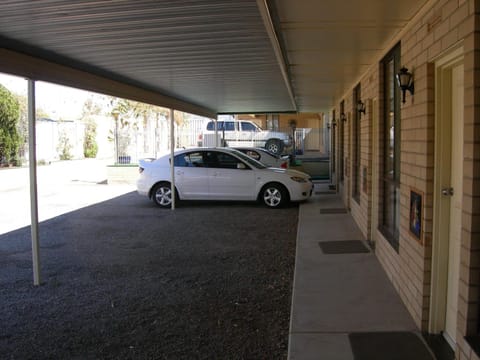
263 150
209 148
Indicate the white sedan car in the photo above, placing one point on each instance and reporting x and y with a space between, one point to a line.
266 157
220 174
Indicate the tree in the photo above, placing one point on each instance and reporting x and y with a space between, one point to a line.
64 147
9 135
90 146
131 117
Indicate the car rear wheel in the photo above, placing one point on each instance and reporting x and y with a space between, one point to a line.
162 195
275 146
274 195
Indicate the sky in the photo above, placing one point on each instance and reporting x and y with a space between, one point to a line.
60 102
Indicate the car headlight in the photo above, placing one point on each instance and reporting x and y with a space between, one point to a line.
298 179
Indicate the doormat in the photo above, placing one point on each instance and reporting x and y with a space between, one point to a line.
333 211
388 345
343 247
440 347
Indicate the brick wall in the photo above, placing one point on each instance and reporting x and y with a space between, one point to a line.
445 25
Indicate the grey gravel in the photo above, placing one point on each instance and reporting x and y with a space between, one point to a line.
124 279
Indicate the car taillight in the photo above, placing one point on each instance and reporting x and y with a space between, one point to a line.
284 165
200 137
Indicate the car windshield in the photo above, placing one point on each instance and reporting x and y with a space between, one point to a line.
248 159
269 153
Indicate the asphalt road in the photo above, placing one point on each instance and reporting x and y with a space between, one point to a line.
63 186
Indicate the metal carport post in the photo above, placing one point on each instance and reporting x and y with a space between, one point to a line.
172 152
32 156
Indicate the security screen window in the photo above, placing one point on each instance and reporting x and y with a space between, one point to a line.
356 145
390 216
341 140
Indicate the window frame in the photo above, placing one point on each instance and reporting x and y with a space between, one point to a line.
389 178
342 142
356 158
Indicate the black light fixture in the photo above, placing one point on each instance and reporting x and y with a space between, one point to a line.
405 82
361 108
343 117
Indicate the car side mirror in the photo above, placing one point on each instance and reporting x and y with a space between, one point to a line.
241 166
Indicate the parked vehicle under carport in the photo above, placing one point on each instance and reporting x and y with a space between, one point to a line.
220 174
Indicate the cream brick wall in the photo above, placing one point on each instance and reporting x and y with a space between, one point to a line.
361 211
443 26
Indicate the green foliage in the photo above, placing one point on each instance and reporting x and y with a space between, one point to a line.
90 146
90 108
9 137
64 147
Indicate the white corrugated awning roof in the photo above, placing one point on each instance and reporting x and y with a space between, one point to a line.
213 56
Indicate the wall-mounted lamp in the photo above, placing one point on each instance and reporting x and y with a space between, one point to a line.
405 82
361 107
332 124
343 117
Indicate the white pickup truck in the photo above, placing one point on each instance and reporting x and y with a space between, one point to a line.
235 133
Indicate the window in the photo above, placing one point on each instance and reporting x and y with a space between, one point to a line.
390 176
253 154
189 160
332 140
211 125
272 122
230 125
221 125
356 144
226 161
341 140
248 127
210 159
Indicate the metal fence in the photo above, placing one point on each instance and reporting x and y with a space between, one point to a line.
153 139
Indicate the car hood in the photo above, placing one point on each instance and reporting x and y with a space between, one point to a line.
289 172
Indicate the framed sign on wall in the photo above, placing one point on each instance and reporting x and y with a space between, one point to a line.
415 222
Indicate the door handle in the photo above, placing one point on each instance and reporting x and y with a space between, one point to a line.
447 191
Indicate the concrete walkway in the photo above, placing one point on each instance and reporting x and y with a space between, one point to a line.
343 304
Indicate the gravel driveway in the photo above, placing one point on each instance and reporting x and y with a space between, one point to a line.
124 279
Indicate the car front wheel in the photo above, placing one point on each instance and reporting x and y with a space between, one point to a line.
162 195
274 195
275 146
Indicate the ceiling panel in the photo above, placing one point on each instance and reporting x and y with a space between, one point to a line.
329 44
216 54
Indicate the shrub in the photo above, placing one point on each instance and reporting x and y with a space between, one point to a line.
9 117
90 146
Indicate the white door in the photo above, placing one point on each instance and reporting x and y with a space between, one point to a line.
191 176
227 181
455 192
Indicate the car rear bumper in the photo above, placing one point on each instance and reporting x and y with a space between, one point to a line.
142 188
